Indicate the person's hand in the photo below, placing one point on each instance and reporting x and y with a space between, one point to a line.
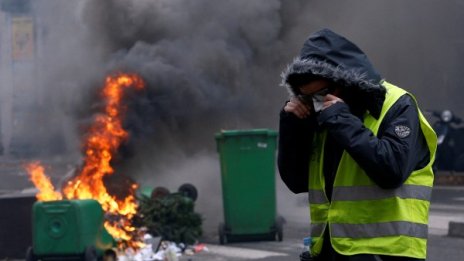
330 100
297 107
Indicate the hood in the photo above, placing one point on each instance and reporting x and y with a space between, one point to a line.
332 56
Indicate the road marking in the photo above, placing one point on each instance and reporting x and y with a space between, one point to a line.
448 187
445 207
245 253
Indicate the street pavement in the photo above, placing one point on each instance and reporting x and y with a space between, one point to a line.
447 205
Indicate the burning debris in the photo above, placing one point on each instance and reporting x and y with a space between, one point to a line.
105 136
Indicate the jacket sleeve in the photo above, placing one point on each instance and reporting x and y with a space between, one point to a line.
388 158
295 139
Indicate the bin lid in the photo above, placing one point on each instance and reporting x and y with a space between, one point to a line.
249 132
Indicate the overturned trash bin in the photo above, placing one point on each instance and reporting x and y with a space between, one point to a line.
247 159
68 229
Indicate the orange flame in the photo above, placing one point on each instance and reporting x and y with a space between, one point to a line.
42 182
105 137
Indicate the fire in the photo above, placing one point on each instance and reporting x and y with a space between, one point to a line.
105 136
42 182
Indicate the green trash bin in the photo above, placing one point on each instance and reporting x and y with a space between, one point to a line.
247 159
68 228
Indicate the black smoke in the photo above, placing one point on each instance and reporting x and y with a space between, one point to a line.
212 65
208 65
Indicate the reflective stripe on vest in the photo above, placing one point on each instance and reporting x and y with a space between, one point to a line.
362 217
379 230
317 196
371 193
374 193
317 229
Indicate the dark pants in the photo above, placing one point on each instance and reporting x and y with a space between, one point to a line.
329 254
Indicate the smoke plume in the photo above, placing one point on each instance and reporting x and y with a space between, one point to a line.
216 65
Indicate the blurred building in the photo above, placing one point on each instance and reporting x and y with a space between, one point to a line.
22 104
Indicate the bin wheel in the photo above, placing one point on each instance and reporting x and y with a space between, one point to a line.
222 234
90 254
280 228
159 192
188 190
110 255
30 254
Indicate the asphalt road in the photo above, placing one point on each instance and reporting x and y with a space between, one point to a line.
447 205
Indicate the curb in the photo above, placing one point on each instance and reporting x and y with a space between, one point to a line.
456 229
456 179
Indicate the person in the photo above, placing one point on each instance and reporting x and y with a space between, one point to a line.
362 150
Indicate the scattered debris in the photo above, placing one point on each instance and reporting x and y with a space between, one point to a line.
200 247
171 215
155 249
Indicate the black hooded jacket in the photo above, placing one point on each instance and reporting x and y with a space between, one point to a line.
388 158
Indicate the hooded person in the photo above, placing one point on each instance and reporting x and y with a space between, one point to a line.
362 150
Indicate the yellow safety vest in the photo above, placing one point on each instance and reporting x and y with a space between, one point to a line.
362 217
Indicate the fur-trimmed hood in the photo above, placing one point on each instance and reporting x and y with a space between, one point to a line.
331 56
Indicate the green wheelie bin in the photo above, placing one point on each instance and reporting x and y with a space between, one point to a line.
68 229
247 160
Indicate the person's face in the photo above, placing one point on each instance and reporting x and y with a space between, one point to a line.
318 85
314 86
